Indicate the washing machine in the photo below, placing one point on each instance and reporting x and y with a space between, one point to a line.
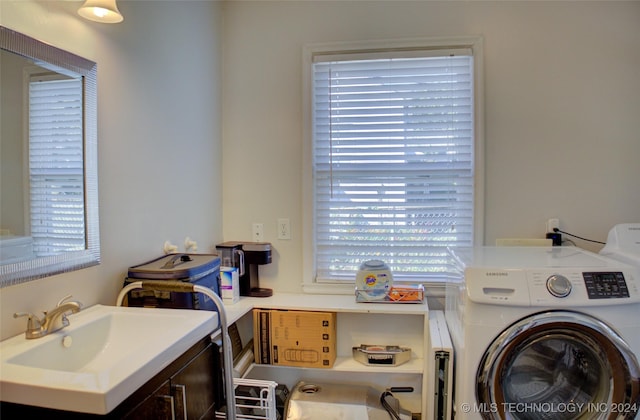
544 333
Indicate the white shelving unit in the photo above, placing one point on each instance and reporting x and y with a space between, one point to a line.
405 325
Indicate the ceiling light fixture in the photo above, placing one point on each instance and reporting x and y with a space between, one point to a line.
104 11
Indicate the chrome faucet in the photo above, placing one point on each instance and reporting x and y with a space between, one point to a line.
52 321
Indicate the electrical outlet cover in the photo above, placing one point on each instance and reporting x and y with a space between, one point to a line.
258 232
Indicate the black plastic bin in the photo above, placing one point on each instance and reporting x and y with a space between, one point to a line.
199 269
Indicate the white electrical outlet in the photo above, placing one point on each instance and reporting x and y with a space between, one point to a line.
284 229
258 232
553 224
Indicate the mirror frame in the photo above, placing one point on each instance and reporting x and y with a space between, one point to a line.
43 53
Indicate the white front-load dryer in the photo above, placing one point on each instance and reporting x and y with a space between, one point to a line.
544 333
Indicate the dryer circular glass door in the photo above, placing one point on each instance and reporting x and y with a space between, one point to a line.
558 365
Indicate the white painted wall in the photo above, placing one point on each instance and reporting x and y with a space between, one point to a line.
562 101
159 137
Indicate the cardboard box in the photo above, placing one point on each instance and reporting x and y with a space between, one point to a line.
294 338
229 285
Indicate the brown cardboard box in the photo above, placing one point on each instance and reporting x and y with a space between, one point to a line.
294 338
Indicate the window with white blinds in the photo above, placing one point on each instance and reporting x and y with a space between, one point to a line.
56 164
392 161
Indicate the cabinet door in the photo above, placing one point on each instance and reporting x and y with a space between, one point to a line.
195 386
158 405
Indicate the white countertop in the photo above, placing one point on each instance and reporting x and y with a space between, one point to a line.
319 302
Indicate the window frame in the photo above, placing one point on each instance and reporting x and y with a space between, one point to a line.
475 44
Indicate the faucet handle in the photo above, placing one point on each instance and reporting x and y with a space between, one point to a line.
33 323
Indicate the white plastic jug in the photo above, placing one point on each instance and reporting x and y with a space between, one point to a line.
373 280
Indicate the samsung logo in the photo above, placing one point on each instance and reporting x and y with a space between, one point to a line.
496 274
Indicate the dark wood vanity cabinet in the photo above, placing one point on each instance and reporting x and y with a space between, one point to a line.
190 387
189 393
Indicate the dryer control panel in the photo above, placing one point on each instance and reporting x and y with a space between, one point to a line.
605 285
546 276
561 287
555 287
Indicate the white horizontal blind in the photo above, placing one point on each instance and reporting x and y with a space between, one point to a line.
56 165
393 163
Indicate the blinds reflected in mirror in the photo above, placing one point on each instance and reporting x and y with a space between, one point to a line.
56 166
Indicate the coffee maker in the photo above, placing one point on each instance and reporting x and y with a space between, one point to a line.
246 257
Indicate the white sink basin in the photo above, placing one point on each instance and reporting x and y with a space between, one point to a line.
95 363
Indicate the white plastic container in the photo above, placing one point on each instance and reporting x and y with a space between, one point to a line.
229 285
373 280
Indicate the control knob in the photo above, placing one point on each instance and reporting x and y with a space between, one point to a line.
559 286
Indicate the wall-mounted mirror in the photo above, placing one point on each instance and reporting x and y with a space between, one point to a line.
48 160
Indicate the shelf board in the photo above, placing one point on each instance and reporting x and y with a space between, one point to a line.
314 302
348 364
337 303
